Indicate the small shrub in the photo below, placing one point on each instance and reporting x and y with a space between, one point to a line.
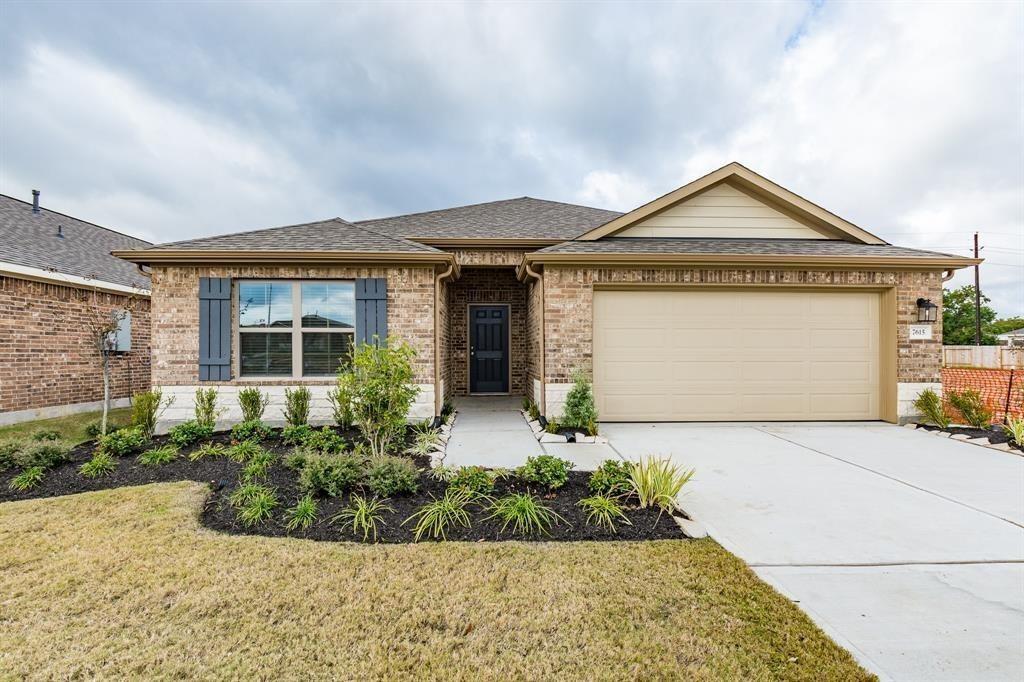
296 405
426 441
437 517
442 473
325 440
524 513
579 411
534 411
252 429
46 434
157 456
29 478
1015 429
254 503
603 511
206 411
258 466
297 459
611 478
474 479
552 427
341 399
929 404
302 515
296 434
362 516
970 404
189 432
45 454
383 391
92 429
447 408
253 402
546 470
123 441
147 408
330 475
9 453
207 450
390 476
101 464
657 482
244 451
527 403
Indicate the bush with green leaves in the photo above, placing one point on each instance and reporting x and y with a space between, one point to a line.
101 464
296 405
437 517
92 429
552 426
302 515
253 402
972 407
579 411
205 402
447 408
383 390
187 433
325 440
1014 428
330 475
363 516
147 408
603 511
28 478
157 456
546 470
208 450
297 458
524 513
657 482
443 473
47 454
245 450
475 479
389 476
425 442
611 478
254 503
9 451
46 434
258 466
930 406
296 434
123 441
251 429
340 398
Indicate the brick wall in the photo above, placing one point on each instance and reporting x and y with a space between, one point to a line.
534 305
46 357
993 385
489 257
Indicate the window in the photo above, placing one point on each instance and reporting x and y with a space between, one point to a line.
272 344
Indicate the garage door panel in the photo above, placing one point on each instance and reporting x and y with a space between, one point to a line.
628 341
833 371
772 372
841 339
774 338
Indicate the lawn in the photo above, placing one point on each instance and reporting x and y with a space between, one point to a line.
72 428
125 583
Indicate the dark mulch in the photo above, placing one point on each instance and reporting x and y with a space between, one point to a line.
994 433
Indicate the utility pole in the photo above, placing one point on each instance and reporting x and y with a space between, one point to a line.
977 296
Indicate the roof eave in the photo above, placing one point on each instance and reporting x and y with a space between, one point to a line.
209 256
485 242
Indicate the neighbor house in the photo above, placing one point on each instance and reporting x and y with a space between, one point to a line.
730 298
57 281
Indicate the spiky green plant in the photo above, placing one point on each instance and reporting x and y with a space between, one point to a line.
424 443
930 406
101 464
444 473
603 511
156 456
971 405
29 478
1015 429
362 516
208 450
253 402
244 451
657 482
296 405
254 503
525 513
258 466
302 515
435 518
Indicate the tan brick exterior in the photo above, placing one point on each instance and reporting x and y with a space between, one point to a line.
489 257
46 356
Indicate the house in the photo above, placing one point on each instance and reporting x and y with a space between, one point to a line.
1011 338
57 278
730 298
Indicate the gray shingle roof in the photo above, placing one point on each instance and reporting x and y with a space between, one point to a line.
522 218
30 239
334 234
739 247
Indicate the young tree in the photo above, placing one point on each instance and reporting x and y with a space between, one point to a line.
105 319
958 318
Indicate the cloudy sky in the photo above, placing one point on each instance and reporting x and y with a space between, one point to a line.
174 120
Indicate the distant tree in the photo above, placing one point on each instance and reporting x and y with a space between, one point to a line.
1007 324
958 318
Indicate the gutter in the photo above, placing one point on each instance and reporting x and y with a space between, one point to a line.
53 277
529 272
440 277
753 260
221 256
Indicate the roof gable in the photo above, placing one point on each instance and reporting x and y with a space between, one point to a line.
755 205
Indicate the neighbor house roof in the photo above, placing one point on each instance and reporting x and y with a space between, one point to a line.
1012 332
55 243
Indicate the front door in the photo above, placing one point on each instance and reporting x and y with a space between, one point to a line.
488 349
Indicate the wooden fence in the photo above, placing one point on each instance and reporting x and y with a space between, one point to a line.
989 357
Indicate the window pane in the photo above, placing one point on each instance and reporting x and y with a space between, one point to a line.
264 304
329 304
323 353
265 354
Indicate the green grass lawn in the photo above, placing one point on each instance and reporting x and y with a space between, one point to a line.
71 428
125 583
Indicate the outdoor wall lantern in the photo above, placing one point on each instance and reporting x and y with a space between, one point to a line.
926 310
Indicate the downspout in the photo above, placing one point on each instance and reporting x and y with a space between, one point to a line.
438 398
948 275
540 283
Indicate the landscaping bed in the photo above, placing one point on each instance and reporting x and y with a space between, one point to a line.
995 434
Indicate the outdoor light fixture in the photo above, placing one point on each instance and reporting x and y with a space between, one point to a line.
926 310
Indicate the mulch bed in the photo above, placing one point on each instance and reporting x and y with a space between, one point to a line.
994 433
222 475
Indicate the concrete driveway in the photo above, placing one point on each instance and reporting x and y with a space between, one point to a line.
907 548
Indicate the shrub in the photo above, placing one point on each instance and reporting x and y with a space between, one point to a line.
929 404
207 450
9 453
101 464
46 434
579 411
189 432
474 479
970 404
325 440
147 408
46 454
341 399
123 441
302 515
1014 429
657 482
296 405
258 466
382 393
447 408
390 476
552 426
426 441
205 402
524 513
297 459
244 451
252 429
546 470
29 478
330 475
611 478
92 429
362 516
296 434
156 456
435 518
603 511
254 503
253 402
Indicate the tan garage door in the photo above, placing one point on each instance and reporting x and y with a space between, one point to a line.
721 354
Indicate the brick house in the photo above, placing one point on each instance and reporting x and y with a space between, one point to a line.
57 278
730 298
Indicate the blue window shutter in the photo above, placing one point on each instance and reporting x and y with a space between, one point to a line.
214 328
371 309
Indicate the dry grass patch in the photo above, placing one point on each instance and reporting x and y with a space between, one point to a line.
124 583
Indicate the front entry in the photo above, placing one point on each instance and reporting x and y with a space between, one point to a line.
488 349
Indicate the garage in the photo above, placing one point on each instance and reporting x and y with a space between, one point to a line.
741 354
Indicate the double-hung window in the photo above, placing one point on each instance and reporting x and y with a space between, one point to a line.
294 328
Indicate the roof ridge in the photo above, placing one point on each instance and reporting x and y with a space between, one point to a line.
87 222
437 210
400 240
261 229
